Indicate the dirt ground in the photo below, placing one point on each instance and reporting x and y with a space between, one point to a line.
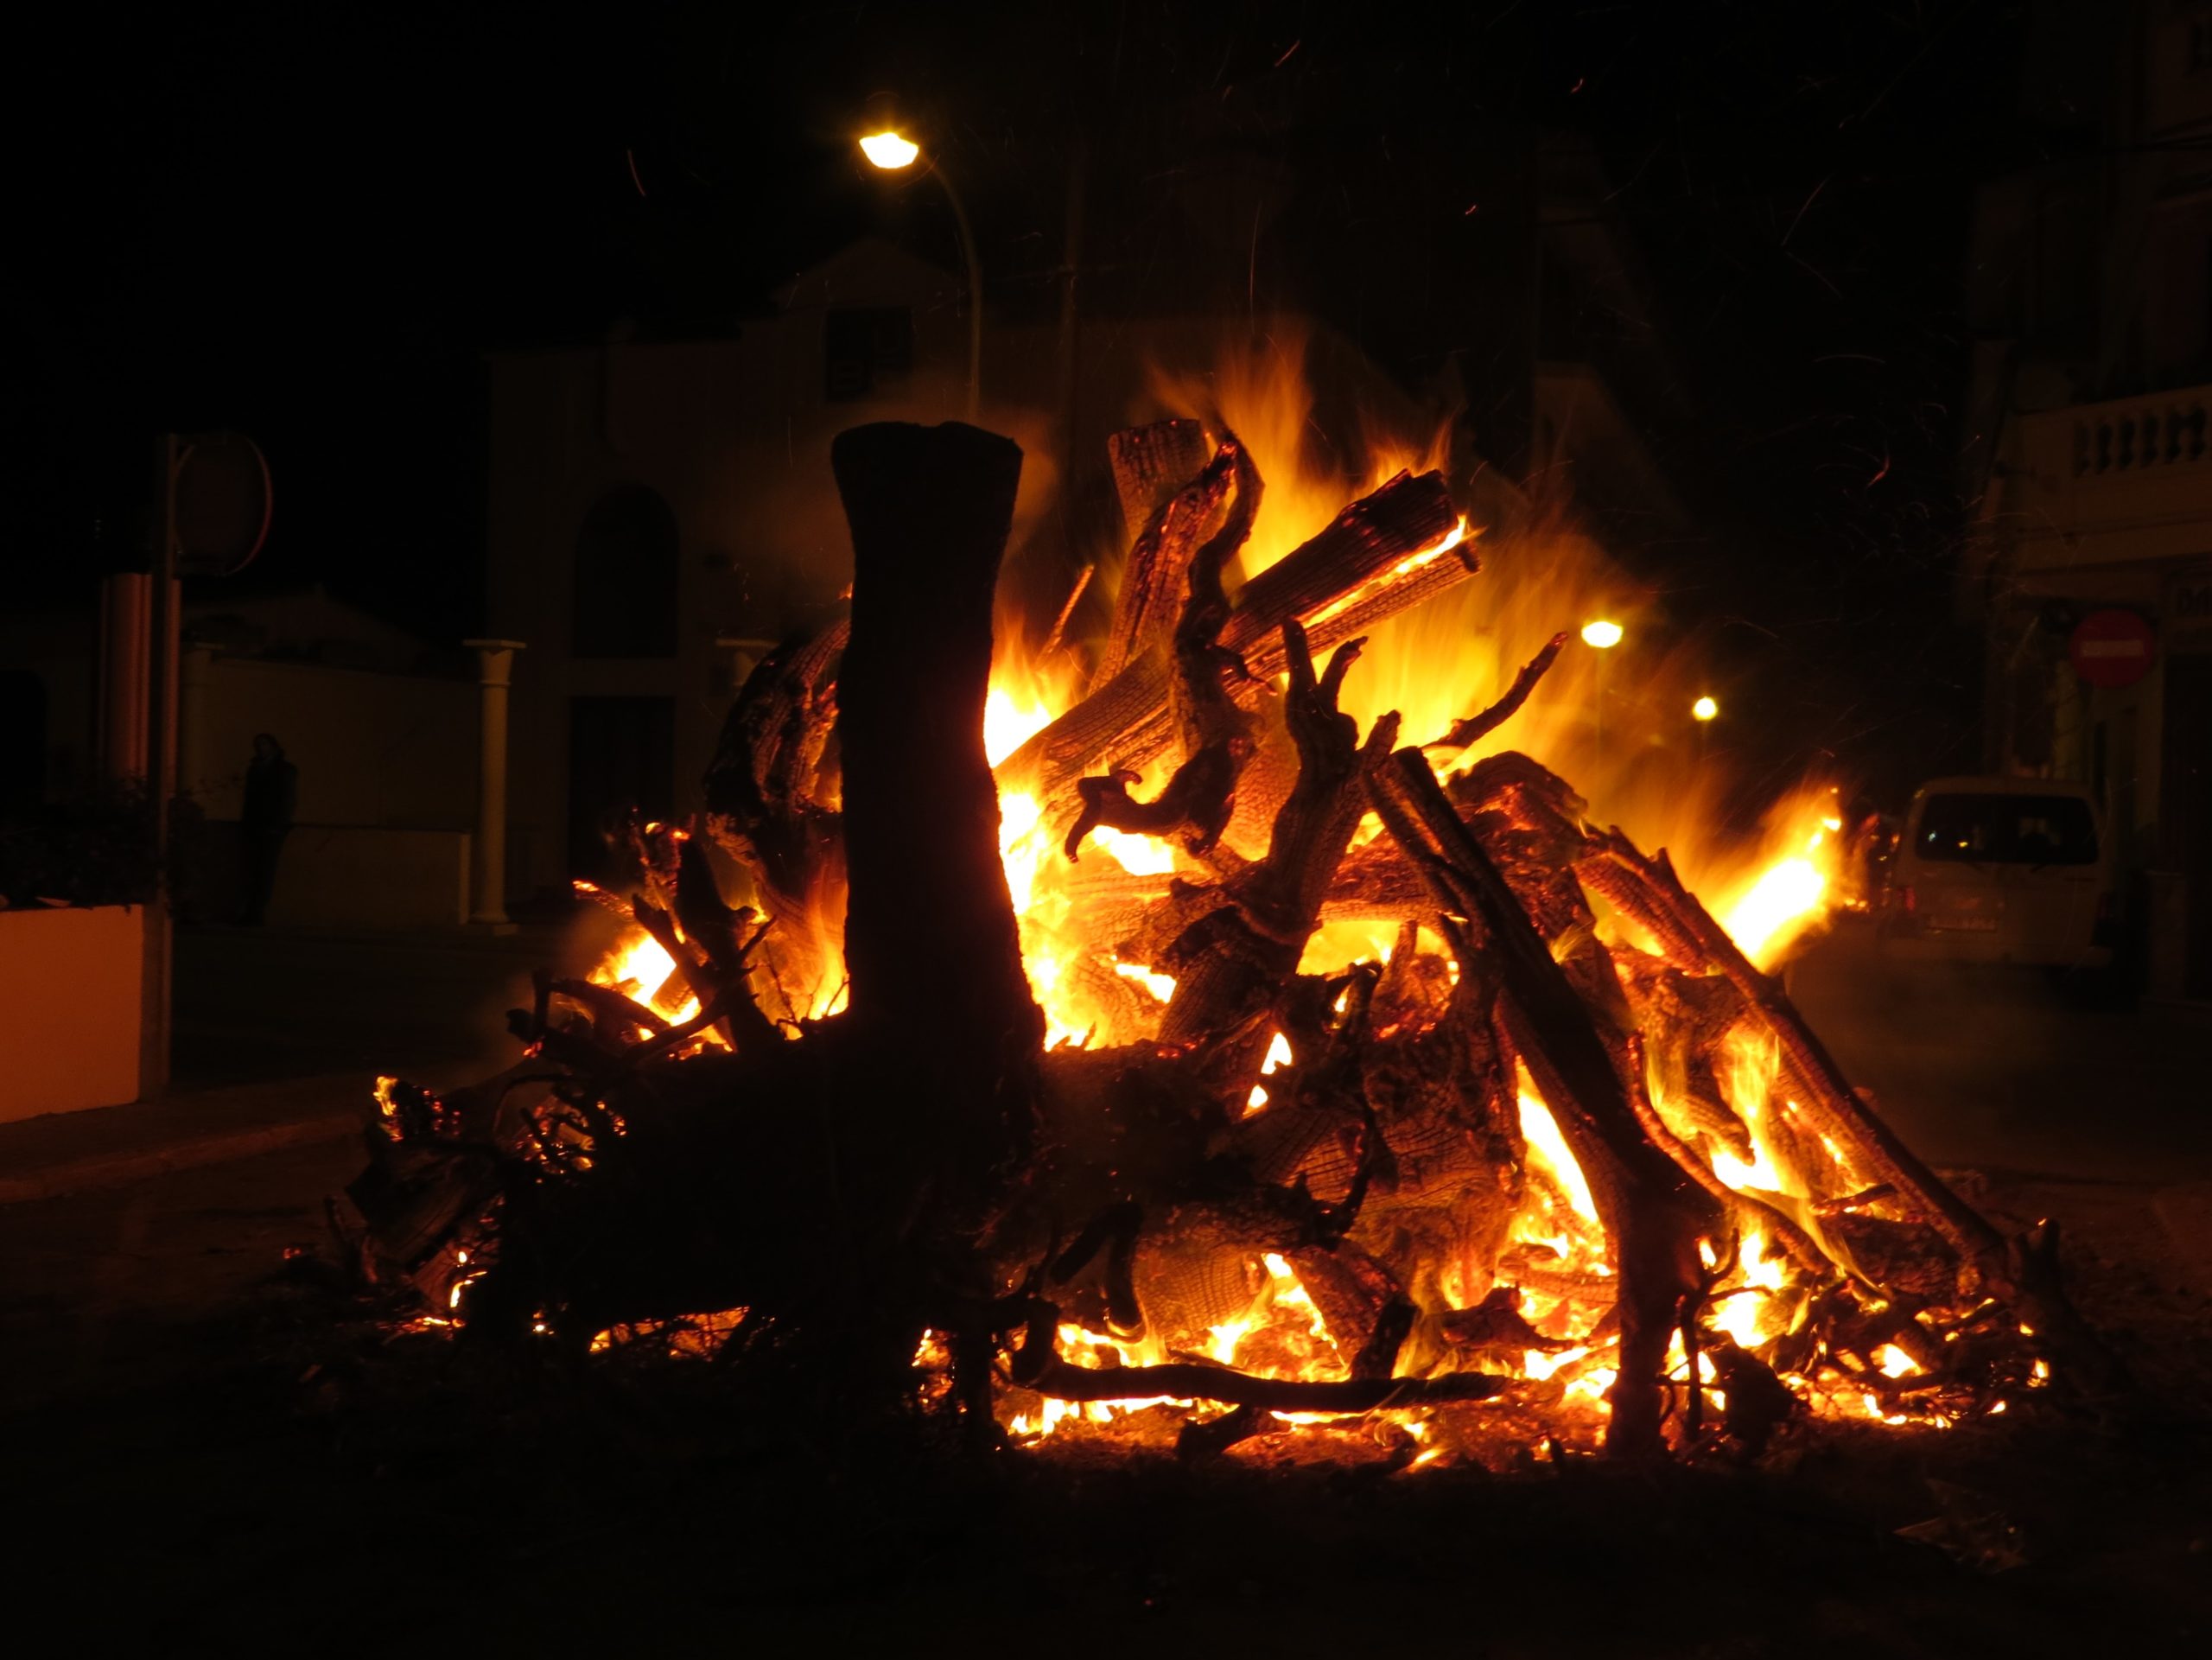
220 1452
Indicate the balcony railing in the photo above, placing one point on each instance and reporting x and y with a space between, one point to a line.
2140 434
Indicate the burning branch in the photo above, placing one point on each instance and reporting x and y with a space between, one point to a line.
1387 552
1472 730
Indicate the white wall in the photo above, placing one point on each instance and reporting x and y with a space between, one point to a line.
371 749
70 983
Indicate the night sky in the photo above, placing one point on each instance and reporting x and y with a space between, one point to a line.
309 223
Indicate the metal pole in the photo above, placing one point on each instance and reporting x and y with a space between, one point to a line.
1604 656
975 291
160 767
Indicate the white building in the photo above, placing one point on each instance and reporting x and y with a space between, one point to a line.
2090 297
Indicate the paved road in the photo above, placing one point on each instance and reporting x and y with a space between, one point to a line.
96 1286
2000 1069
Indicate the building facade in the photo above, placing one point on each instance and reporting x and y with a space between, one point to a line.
2090 295
661 512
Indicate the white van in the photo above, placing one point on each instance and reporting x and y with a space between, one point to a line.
2002 870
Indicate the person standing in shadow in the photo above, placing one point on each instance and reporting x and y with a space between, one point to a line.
272 788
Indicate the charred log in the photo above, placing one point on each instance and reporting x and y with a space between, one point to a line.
1652 1214
1341 581
2023 1271
1202 794
1235 961
1171 537
1150 464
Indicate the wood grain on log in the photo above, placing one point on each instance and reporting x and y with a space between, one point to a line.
1652 1215
1150 463
1166 540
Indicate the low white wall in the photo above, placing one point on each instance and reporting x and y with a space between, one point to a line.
348 877
72 1004
372 748
351 876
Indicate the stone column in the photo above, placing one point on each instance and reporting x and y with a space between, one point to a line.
495 660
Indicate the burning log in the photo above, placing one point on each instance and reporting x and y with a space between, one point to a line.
2024 1271
1234 961
766 793
1652 1214
1171 537
1188 1382
1385 552
1201 795
1150 464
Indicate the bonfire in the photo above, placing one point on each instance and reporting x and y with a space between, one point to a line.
1115 1040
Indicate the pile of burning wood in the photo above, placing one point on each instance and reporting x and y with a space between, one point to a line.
1557 1165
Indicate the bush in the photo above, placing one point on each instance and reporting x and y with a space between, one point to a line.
96 849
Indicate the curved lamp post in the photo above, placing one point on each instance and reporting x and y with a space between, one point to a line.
894 152
1602 635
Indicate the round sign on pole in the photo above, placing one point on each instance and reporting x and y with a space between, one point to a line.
2112 648
221 503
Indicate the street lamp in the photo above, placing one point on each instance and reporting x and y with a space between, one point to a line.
889 152
1605 634
1702 712
1602 635
892 151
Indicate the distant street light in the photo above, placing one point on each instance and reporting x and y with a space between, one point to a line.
889 152
1705 708
1605 635
893 152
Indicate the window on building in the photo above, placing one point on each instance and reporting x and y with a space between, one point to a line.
866 349
626 577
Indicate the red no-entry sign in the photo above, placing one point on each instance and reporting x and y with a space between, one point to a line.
2112 648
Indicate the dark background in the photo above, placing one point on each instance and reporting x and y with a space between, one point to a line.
310 224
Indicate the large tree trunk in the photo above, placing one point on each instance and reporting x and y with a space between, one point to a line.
931 943
936 1092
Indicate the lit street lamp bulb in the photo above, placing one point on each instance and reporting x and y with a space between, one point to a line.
889 152
1602 635
1705 708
